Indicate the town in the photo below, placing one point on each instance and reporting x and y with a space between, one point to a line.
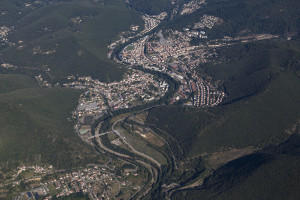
167 51
171 52
96 181
100 98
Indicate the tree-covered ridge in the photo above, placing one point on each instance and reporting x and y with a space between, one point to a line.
247 17
272 173
69 38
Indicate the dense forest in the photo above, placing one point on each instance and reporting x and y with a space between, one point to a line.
151 7
246 17
272 173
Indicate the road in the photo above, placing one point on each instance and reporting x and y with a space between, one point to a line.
98 135
130 146
153 166
107 149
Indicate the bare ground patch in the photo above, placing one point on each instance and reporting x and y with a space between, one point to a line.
218 159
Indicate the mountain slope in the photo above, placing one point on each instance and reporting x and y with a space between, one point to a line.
270 174
70 38
34 126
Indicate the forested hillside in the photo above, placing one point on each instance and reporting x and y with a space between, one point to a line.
272 173
36 125
69 38
247 17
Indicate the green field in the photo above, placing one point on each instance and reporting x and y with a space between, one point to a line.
141 145
36 125
76 33
10 83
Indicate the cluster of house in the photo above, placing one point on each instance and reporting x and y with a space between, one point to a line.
100 98
4 31
171 52
95 181
207 21
191 6
152 21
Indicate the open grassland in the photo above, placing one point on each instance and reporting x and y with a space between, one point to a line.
36 126
141 145
10 83
148 135
71 38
